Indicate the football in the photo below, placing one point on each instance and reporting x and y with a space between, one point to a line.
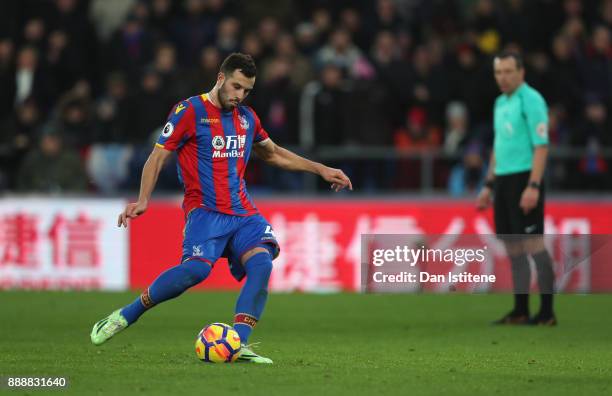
218 343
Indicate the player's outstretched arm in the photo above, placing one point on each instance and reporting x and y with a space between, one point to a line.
150 173
280 157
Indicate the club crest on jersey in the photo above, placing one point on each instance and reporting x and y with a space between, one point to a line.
168 129
244 123
218 143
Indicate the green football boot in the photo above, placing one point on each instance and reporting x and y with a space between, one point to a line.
248 356
106 328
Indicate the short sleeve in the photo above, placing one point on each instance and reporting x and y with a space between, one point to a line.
178 127
260 132
536 112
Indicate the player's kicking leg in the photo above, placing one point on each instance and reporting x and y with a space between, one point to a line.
168 285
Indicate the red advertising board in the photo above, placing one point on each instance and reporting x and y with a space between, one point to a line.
321 239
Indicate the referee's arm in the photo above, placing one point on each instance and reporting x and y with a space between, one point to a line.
484 197
536 115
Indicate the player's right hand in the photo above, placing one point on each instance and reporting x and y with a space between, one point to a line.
484 198
132 210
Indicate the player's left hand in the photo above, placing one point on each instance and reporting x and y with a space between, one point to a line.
337 178
132 210
529 199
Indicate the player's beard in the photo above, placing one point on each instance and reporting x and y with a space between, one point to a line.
224 99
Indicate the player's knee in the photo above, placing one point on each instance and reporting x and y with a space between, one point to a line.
196 271
259 263
266 267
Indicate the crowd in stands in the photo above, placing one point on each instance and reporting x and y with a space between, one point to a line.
87 85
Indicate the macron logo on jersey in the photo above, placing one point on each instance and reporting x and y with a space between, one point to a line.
234 146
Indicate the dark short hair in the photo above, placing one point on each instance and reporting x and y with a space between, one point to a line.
511 54
238 61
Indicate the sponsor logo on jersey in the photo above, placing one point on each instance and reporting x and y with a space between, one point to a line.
228 154
218 143
209 121
233 145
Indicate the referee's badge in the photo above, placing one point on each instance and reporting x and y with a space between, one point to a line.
542 129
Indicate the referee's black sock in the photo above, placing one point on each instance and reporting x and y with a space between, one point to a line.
521 278
546 281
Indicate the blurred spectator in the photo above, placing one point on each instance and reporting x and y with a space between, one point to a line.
194 30
487 26
597 65
456 135
29 77
566 89
595 127
306 37
471 82
148 108
228 40
322 22
172 81
300 71
393 72
17 138
429 88
130 48
75 122
108 15
330 116
64 67
112 112
160 18
386 16
252 46
52 167
558 126
416 133
107 166
268 31
350 19
204 75
277 101
34 33
468 176
342 52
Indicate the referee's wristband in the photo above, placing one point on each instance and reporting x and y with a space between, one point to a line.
489 184
534 184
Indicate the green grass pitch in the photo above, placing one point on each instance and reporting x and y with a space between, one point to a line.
322 344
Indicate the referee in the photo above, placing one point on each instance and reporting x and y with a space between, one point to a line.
514 178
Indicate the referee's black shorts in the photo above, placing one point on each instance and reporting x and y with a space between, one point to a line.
509 217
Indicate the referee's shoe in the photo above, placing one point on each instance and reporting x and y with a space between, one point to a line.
513 318
543 319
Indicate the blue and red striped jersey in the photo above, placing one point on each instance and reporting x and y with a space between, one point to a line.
213 148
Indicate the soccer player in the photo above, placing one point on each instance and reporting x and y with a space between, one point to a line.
213 134
514 178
